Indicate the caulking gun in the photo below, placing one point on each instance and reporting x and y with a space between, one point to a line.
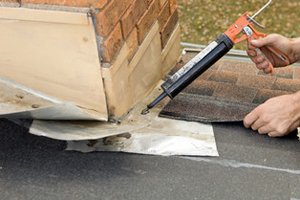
212 53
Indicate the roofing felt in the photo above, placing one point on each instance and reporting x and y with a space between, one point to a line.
228 91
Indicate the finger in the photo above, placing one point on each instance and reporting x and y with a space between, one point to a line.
259 126
259 59
263 41
251 53
263 65
250 119
267 70
264 130
279 132
274 134
253 59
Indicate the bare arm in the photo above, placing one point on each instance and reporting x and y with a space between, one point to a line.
276 117
279 115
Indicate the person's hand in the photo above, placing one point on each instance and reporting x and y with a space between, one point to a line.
276 117
279 42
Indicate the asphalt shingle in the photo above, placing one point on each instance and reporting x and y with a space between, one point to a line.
256 81
224 76
229 90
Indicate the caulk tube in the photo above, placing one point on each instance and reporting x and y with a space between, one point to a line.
194 68
199 64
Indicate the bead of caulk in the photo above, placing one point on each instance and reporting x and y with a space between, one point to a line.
145 111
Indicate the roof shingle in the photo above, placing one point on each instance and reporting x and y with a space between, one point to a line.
229 90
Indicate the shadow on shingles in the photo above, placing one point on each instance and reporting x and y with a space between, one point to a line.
205 109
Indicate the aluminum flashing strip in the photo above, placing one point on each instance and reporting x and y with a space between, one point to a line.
20 102
144 134
163 137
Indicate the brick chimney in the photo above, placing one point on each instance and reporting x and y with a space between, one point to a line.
138 43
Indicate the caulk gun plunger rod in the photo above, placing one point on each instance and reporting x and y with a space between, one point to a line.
258 12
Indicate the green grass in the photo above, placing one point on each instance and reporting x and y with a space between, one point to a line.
202 20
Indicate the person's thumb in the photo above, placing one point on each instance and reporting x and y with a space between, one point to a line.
259 43
263 41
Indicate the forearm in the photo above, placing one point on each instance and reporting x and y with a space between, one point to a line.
296 99
276 117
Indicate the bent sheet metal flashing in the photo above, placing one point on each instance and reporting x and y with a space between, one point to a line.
20 102
144 134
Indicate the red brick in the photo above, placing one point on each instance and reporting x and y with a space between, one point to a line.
110 16
76 3
147 20
168 29
163 15
132 15
132 42
112 44
173 6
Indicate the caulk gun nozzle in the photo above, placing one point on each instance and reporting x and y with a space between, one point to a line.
145 111
151 105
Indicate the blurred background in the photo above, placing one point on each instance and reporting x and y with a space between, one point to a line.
202 20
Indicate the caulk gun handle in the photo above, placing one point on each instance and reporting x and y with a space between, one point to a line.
276 52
